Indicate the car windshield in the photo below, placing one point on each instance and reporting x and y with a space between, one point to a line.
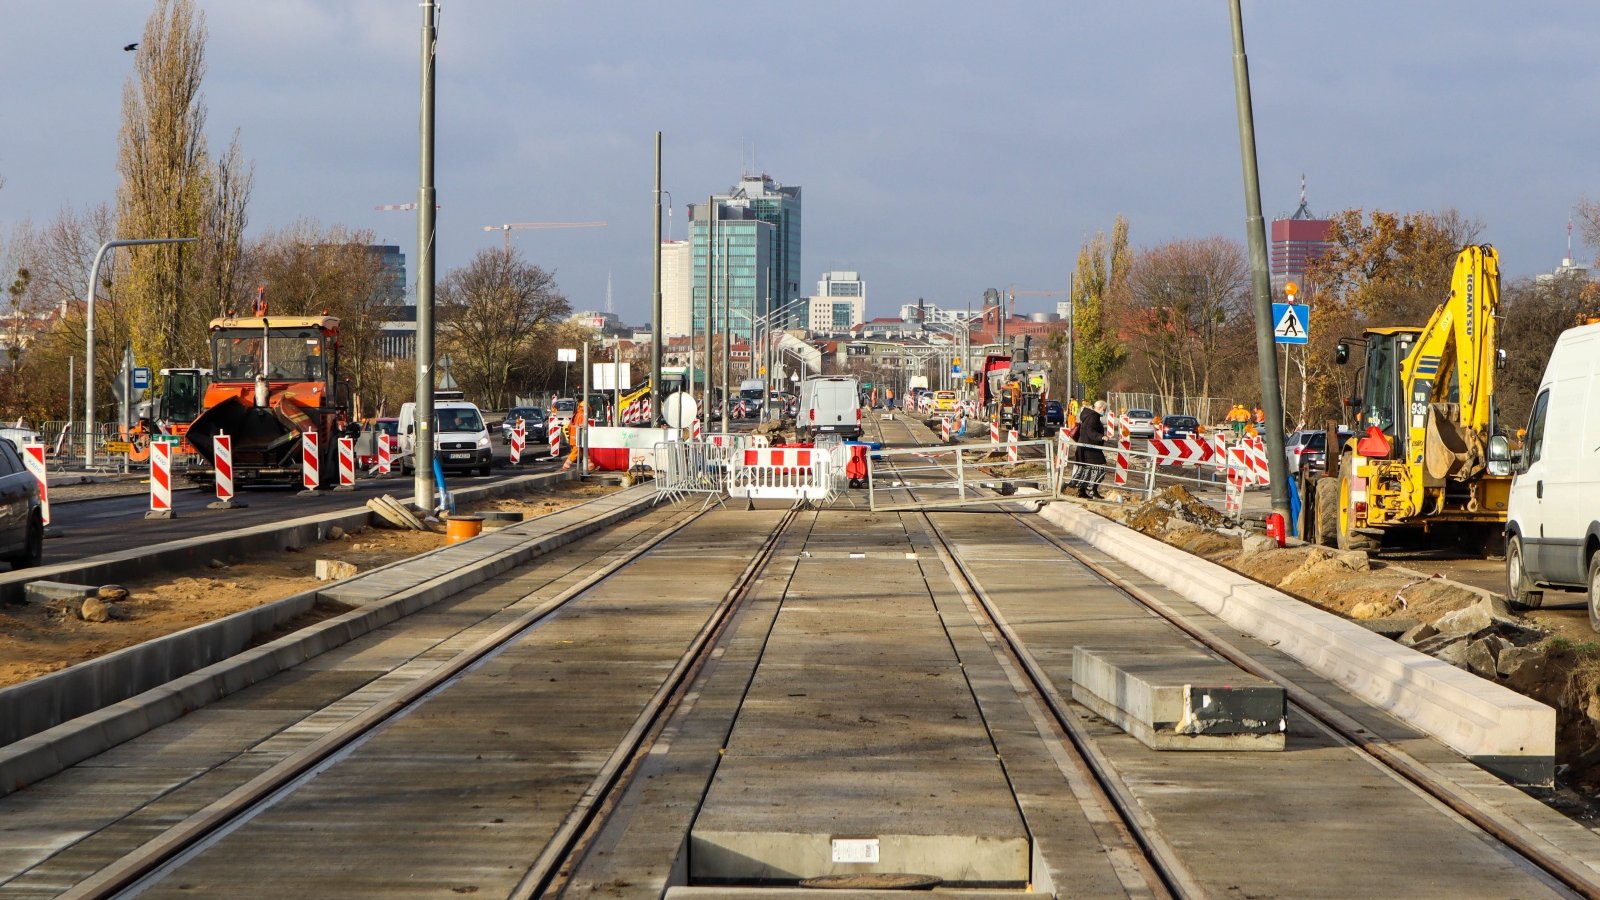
1182 422
390 426
752 393
566 405
446 420
526 412
1141 414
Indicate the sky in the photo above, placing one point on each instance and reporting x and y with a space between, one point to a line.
942 148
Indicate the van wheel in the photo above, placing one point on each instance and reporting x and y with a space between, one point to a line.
1594 591
33 550
1520 590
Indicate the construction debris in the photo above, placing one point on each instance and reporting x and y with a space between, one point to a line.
395 513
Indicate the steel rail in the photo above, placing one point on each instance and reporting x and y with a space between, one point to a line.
1565 870
1112 793
146 860
577 829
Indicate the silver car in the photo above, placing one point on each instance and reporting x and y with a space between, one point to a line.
1141 423
21 519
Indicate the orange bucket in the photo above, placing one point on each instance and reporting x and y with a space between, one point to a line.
461 528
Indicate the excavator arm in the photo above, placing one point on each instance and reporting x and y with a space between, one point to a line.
1449 374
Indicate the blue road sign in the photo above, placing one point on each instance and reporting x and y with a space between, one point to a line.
141 379
1289 323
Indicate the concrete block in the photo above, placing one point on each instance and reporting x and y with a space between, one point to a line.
46 591
335 570
1495 727
1180 699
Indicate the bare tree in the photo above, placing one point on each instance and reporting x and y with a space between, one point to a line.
496 315
1182 296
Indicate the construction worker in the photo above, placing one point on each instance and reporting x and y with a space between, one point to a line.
579 418
1260 416
1237 417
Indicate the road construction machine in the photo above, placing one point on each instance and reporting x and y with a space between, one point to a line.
1424 456
273 380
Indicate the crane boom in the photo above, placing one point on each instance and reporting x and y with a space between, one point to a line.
508 227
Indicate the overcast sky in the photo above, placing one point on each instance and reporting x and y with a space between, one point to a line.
943 148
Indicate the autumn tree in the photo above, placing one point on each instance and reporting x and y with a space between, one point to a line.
1533 313
1101 283
1382 268
1181 299
496 316
171 188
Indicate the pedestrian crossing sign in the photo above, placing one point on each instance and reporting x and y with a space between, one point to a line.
1289 323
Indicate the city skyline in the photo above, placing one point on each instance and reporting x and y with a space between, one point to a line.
945 172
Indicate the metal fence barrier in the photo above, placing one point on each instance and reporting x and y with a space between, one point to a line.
948 477
684 468
783 473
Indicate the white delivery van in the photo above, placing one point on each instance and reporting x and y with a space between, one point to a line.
829 405
460 436
1553 517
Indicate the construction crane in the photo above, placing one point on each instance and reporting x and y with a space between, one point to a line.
507 228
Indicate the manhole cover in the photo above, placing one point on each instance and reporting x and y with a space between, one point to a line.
882 881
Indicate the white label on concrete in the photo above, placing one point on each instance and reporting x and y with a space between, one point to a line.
855 850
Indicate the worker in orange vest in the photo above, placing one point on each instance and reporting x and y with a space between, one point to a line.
579 419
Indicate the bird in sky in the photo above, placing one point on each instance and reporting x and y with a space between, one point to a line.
131 47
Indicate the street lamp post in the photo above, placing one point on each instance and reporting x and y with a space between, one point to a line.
88 336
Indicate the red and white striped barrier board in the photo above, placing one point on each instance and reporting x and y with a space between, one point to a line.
33 459
786 473
1124 457
310 462
1256 461
160 481
637 412
1012 454
694 433
385 461
347 464
1189 451
222 453
519 439
994 432
1063 449
555 442
944 429
785 459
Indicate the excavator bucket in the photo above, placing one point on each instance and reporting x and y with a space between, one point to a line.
1449 450
262 438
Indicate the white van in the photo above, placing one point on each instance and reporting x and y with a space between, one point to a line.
460 436
830 405
1553 517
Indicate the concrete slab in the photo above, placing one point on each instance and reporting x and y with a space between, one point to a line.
1177 699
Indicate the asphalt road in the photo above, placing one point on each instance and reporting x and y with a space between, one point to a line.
92 527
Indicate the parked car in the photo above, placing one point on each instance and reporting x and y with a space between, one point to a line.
1178 427
1553 515
944 401
1055 416
21 519
460 437
1308 450
1141 423
533 423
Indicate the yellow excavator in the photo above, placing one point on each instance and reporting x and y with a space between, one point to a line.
1424 456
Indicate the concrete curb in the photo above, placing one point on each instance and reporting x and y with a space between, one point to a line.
1495 727
68 716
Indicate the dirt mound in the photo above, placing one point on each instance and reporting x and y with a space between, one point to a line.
1155 515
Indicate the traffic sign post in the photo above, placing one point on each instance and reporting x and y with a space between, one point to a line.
1290 323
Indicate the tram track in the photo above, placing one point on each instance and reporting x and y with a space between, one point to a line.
1399 764
138 870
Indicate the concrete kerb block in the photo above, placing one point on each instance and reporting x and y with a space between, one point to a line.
1495 727
45 591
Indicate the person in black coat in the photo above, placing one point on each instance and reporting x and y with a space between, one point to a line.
1090 455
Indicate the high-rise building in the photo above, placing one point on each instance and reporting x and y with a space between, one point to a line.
839 304
755 230
677 296
1296 241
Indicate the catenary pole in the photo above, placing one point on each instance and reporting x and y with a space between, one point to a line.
655 292
422 445
1260 282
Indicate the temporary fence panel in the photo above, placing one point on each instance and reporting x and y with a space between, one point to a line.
781 473
689 467
935 477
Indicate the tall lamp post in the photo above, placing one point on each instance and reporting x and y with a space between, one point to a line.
88 335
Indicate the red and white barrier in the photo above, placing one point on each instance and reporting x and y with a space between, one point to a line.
347 464
222 455
1063 449
310 463
994 432
944 429
385 460
33 460
781 473
1012 454
555 442
1189 451
160 481
1124 457
519 439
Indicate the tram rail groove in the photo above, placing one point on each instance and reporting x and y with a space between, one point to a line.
1538 853
578 828
130 870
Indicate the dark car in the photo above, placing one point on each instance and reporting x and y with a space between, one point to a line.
367 443
1054 415
534 421
1175 427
